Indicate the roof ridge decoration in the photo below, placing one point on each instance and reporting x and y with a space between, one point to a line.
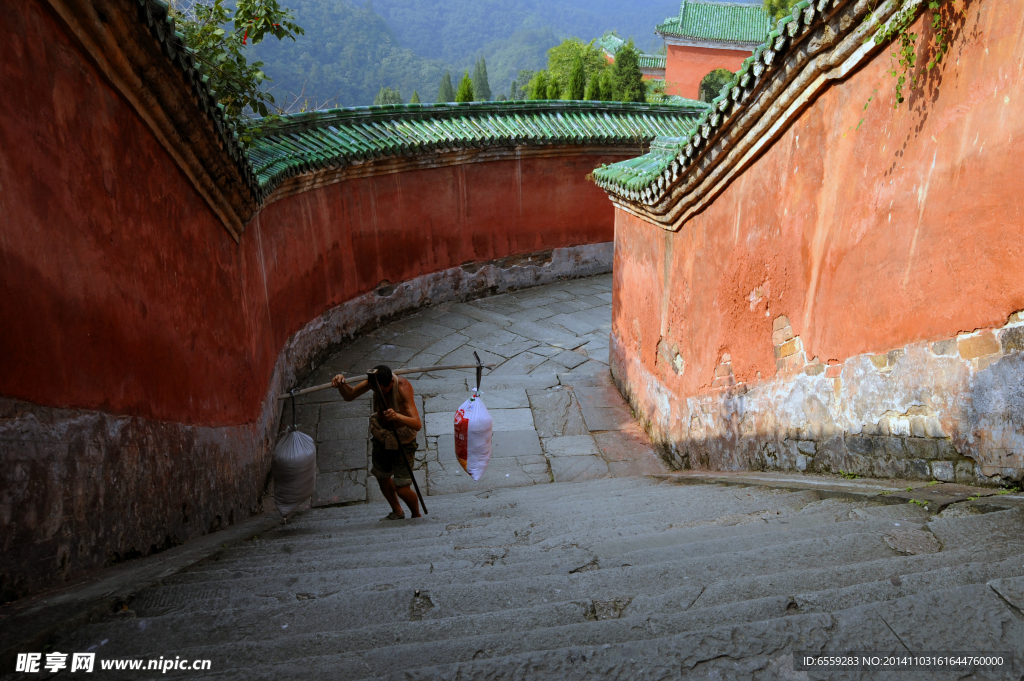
819 42
316 141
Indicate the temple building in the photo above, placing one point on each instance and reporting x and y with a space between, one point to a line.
652 66
705 36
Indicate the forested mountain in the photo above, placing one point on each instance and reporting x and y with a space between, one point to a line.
350 50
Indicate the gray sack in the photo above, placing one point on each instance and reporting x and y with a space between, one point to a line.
294 469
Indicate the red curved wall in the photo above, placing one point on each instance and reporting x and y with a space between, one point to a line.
868 236
138 340
123 293
686 66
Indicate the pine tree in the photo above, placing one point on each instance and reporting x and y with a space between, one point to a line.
388 96
629 82
593 92
415 99
576 80
446 93
608 91
465 93
481 88
539 85
554 89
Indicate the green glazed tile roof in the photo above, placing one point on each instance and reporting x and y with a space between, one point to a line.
611 44
649 178
718 21
652 61
329 139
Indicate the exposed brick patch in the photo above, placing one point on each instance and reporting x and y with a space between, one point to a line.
978 346
944 347
781 322
788 348
1012 340
833 371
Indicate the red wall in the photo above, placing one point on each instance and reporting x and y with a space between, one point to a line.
685 67
123 293
906 228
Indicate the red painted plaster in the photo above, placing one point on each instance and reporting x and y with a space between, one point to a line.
122 292
905 229
686 66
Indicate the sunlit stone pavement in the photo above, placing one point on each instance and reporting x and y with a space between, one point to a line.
557 416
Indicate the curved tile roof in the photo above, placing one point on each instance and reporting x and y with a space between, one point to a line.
718 21
313 141
652 61
647 184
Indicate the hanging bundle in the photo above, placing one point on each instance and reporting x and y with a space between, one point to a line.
473 426
294 468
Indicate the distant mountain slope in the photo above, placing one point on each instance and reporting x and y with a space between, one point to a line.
350 51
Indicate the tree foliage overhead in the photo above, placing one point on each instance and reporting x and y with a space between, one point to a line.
711 85
779 8
235 81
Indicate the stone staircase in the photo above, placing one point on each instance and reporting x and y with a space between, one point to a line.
630 578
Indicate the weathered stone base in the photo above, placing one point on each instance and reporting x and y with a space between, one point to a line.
951 410
83 489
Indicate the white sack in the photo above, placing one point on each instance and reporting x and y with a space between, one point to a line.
473 436
294 469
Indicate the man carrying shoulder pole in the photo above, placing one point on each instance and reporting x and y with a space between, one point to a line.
393 426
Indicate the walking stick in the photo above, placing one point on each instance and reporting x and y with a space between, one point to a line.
377 392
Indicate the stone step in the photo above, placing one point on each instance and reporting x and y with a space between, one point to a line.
384 649
508 562
760 648
371 537
230 613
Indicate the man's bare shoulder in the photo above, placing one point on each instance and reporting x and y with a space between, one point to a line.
404 385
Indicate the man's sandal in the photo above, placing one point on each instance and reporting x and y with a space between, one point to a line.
392 516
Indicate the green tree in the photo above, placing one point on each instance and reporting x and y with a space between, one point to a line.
554 89
629 82
562 59
501 97
779 8
609 93
711 85
593 92
415 99
446 93
577 80
481 88
235 82
539 85
520 88
465 92
388 96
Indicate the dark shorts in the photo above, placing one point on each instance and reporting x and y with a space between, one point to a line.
386 463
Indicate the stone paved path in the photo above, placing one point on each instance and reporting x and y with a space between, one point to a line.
557 416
